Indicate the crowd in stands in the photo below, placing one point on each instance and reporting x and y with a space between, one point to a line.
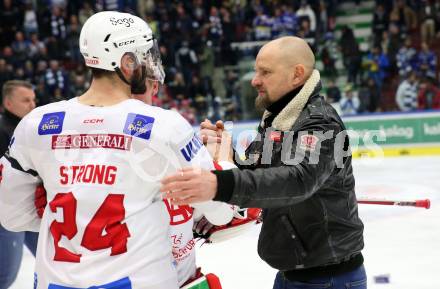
405 38
39 43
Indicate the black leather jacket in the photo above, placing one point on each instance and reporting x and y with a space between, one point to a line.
310 216
8 122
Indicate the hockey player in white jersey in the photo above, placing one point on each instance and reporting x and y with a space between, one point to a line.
101 156
182 220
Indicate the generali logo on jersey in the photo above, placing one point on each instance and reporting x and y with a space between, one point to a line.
89 141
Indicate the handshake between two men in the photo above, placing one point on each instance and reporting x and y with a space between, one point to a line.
195 185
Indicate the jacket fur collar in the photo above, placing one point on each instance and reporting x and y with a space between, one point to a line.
286 118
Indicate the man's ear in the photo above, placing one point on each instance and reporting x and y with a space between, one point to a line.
299 73
7 103
128 64
155 87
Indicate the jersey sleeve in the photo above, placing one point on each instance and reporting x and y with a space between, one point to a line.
187 145
191 152
17 184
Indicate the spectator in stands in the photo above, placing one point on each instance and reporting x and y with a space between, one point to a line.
10 21
55 40
199 15
230 84
28 71
350 53
391 43
429 95
322 18
187 111
228 56
333 92
377 64
380 23
207 61
30 23
403 16
426 62
277 25
186 61
5 71
305 11
109 5
35 47
349 103
85 12
55 78
427 17
40 71
306 33
290 19
73 31
58 25
437 17
215 26
20 48
183 24
262 24
177 86
18 100
405 58
406 95
329 54
78 85
9 56
369 96
196 88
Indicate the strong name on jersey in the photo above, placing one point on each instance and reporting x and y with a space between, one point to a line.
105 221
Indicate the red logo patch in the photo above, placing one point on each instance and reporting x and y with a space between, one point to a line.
308 142
178 214
275 136
92 61
89 141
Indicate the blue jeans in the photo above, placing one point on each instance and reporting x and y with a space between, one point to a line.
11 252
356 279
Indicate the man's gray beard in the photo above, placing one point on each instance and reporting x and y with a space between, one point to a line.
261 103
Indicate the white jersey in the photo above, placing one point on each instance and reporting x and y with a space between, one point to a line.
105 223
181 233
182 240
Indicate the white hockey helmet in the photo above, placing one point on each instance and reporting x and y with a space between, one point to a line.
107 36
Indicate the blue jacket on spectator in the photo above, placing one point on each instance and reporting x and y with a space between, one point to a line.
379 63
426 63
405 59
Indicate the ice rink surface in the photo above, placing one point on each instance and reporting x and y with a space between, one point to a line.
402 242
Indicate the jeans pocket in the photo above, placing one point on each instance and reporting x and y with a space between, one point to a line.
359 284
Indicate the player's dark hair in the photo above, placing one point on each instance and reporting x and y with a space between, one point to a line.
100 73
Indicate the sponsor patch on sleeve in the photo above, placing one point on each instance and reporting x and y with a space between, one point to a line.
51 123
190 150
139 125
308 142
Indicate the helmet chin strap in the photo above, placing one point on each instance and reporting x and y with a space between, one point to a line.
137 84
